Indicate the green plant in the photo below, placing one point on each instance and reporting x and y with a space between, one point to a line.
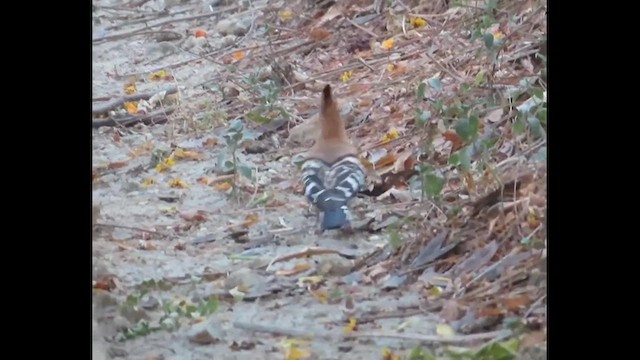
227 162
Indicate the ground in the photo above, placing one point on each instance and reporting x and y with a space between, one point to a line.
190 257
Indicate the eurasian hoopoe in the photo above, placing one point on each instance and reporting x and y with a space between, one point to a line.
331 172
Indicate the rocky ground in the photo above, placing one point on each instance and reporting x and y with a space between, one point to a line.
192 260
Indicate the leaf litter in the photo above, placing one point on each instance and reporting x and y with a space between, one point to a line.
404 76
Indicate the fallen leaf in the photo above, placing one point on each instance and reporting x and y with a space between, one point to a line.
318 34
385 161
285 15
387 354
177 183
180 247
148 182
243 345
351 326
191 155
159 75
295 353
210 142
392 134
131 107
516 302
456 143
130 89
450 311
238 55
321 296
148 146
196 216
298 268
387 44
417 22
533 338
494 116
165 165
490 312
346 76
250 220
145 245
203 180
444 330
116 165
403 195
222 186
200 33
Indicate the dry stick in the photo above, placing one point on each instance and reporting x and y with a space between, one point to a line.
329 336
188 18
132 228
375 36
156 117
113 104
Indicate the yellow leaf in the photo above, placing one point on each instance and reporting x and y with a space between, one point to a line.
390 135
238 55
387 354
162 167
310 280
130 89
444 330
158 75
351 326
497 35
286 15
131 107
346 75
391 67
170 161
387 44
295 353
177 183
181 154
321 296
417 22
168 210
222 186
148 182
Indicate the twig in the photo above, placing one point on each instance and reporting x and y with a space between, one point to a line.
310 251
156 117
187 18
374 35
113 104
454 339
132 228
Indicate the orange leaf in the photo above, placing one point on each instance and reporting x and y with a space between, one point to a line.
386 160
351 327
455 140
490 312
222 186
210 142
117 165
181 154
131 107
387 44
201 33
250 220
298 268
318 34
238 55
203 180
196 216
177 183
516 302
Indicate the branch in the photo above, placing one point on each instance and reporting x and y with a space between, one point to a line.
157 117
116 103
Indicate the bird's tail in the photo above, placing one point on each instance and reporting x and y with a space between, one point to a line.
335 219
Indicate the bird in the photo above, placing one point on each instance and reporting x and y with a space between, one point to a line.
332 174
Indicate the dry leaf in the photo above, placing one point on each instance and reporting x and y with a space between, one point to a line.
250 220
346 76
318 34
131 107
321 296
392 134
191 155
159 75
295 353
196 216
200 33
533 338
148 182
444 330
117 165
298 268
210 142
351 326
203 180
285 15
148 146
450 311
387 44
387 354
516 302
222 186
401 195
454 139
238 55
130 89
417 22
177 183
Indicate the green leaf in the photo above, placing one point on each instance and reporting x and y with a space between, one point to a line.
435 83
420 93
235 126
488 40
209 307
454 159
481 78
419 354
433 184
228 166
190 309
498 351
465 157
467 128
245 171
519 125
541 155
132 300
422 117
257 118
537 92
